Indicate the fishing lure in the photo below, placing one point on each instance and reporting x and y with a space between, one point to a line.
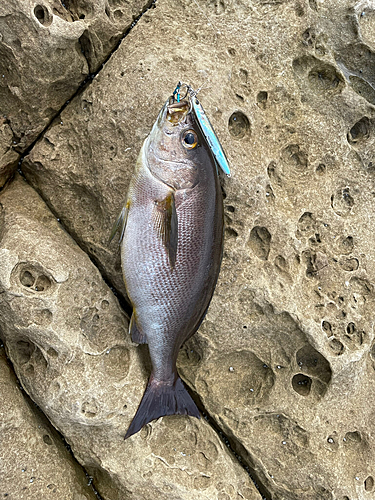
204 125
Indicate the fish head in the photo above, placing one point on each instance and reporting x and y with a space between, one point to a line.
176 151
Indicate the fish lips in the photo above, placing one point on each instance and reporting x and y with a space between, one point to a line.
173 113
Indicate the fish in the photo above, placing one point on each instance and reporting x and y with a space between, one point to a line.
171 237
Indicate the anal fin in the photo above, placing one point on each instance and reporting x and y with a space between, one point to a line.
137 336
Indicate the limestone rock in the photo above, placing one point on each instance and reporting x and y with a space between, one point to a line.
67 338
34 463
284 361
47 48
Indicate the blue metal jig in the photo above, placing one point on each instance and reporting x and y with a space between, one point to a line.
209 134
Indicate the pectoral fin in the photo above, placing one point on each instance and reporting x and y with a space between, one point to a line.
120 223
166 225
137 336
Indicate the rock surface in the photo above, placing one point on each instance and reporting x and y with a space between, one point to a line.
67 338
47 48
284 362
34 463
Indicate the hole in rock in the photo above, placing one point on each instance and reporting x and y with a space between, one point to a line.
42 15
281 263
350 329
260 242
360 131
347 245
324 78
238 125
269 192
352 437
342 202
321 169
349 265
309 36
306 223
326 326
361 286
336 347
313 363
262 98
369 483
42 284
25 350
89 409
27 279
118 14
302 384
47 439
294 156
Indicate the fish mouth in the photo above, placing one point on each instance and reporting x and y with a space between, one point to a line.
177 111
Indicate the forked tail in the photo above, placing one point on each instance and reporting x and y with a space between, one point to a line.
161 399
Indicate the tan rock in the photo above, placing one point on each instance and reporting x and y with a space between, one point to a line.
284 361
34 463
67 338
47 49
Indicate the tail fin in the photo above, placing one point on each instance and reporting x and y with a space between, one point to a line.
162 399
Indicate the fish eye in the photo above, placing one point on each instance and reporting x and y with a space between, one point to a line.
189 139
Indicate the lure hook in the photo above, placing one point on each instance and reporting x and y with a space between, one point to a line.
177 90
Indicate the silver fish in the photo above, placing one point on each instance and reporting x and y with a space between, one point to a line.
171 248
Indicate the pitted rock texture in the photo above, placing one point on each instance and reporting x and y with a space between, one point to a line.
68 340
284 362
47 48
34 463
